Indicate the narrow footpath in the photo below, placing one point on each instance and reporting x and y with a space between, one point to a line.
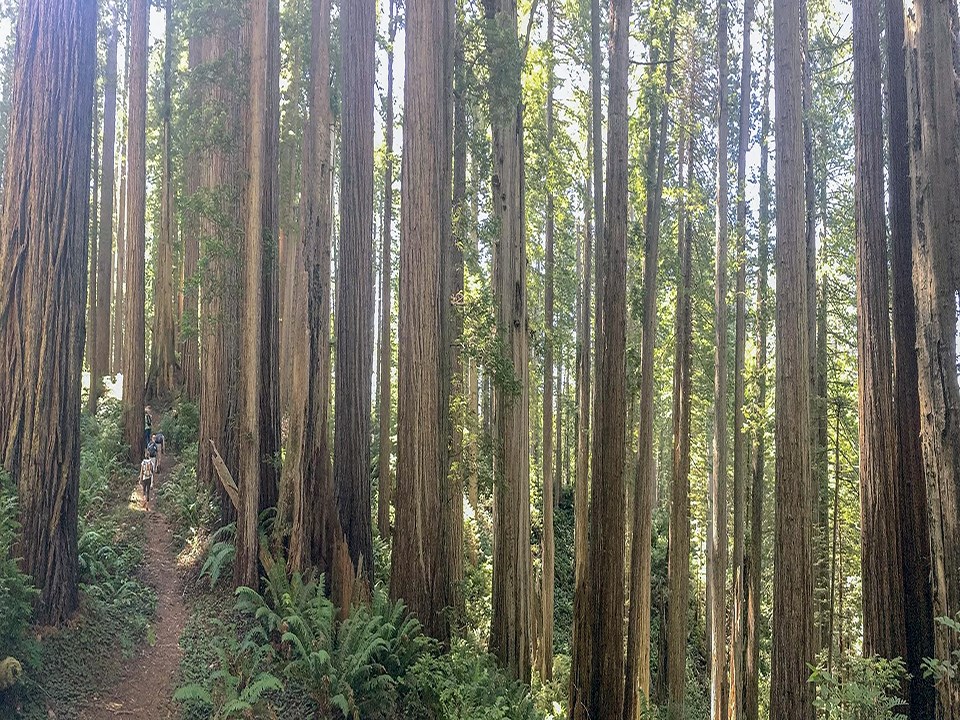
146 689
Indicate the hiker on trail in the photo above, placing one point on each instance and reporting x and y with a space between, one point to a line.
153 452
146 476
147 425
161 448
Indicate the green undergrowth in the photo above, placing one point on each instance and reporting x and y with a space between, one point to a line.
65 667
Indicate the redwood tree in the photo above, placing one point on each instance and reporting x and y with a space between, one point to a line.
883 609
354 357
791 696
135 296
43 257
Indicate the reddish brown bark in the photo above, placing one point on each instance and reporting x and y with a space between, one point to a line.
43 257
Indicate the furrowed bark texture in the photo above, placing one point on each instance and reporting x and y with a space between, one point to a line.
936 185
420 564
43 258
134 334
510 632
883 610
354 357
791 696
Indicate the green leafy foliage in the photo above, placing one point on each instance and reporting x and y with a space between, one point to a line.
181 427
944 669
221 554
16 589
863 689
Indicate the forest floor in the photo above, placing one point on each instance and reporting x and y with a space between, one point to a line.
145 691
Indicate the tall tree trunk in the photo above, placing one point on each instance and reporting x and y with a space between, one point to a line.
134 336
43 288
93 264
738 616
717 572
162 381
637 668
930 41
221 249
100 360
883 610
245 564
754 561
607 542
906 405
791 697
189 320
386 255
119 269
546 595
420 567
678 546
354 357
512 563
580 644
320 513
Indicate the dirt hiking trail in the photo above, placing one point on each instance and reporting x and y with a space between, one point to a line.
145 690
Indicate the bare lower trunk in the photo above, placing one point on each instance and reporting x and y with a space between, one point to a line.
791 697
933 118
43 257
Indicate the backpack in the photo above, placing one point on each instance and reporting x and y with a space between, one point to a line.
152 449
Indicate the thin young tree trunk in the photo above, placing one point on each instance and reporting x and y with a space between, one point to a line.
133 354
678 546
510 638
909 458
717 572
883 610
738 616
420 568
754 561
546 595
836 536
637 668
607 542
386 256
354 357
162 380
43 288
93 264
930 41
791 697
100 360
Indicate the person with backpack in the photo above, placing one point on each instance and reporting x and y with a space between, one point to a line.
146 477
147 425
153 452
161 447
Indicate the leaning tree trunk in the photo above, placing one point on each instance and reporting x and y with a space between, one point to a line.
906 405
930 41
100 358
354 357
637 668
510 634
135 296
791 697
43 256
607 543
420 565
883 609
